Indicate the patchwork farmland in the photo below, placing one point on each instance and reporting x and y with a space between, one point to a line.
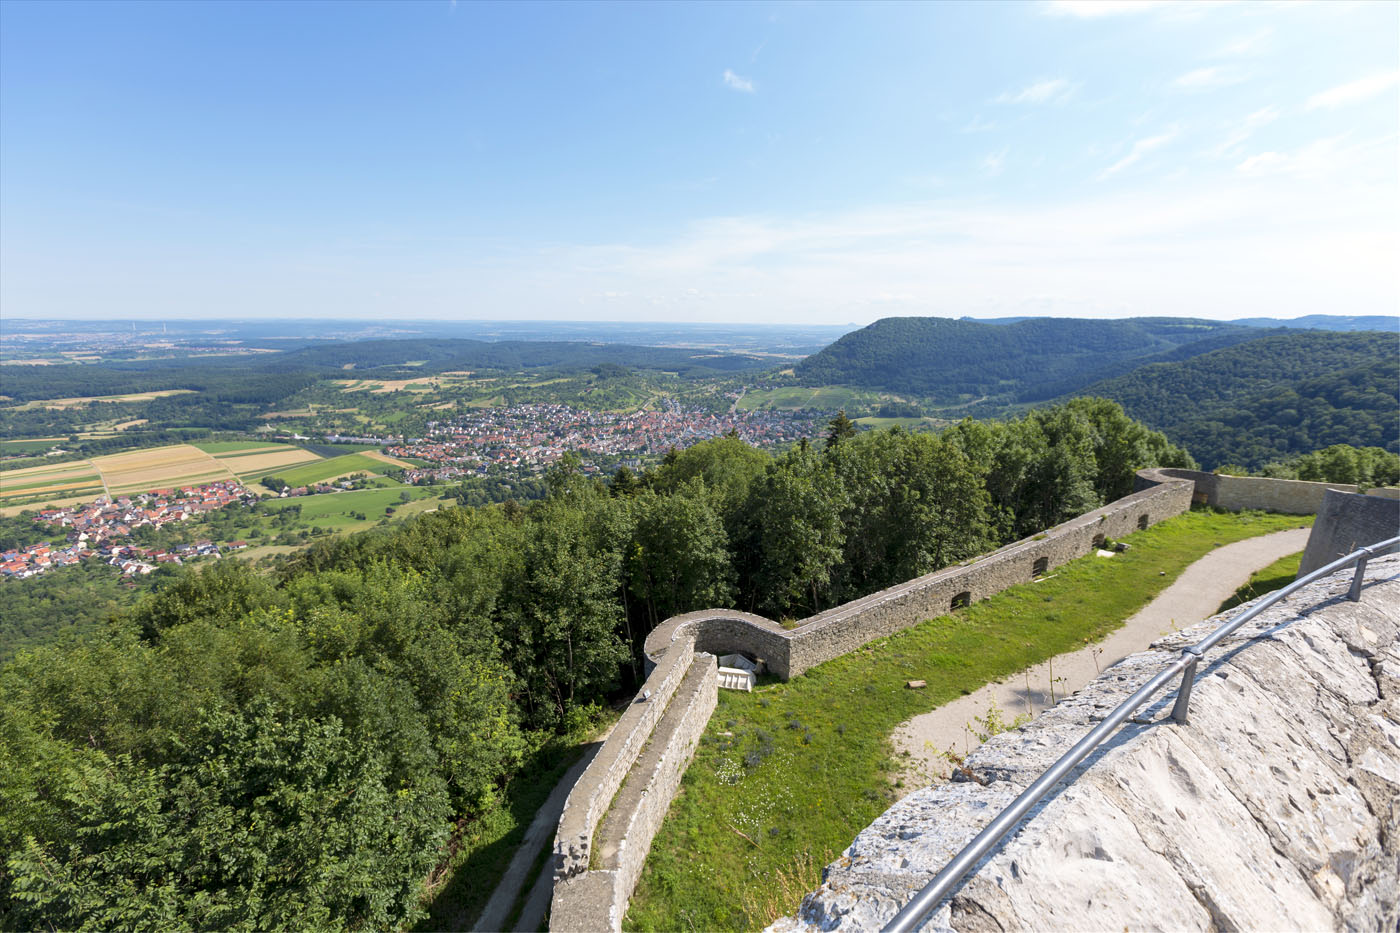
178 465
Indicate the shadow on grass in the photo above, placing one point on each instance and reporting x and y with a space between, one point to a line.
488 845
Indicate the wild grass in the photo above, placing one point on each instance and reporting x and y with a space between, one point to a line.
1273 577
787 775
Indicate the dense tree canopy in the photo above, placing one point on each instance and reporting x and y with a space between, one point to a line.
257 752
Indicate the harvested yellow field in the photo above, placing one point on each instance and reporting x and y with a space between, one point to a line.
146 484
385 458
80 401
159 468
247 451
281 457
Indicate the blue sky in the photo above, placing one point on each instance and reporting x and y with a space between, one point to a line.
813 162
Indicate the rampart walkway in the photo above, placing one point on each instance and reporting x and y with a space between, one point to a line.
1194 595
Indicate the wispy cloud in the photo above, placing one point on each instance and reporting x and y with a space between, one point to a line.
1354 92
1252 44
1243 130
1213 76
1044 91
1094 9
994 162
1140 148
738 82
978 125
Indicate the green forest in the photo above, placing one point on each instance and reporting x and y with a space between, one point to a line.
303 748
1273 397
1029 360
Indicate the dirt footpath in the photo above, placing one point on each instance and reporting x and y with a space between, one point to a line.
1194 596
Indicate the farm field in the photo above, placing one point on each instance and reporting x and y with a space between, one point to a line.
219 448
79 401
323 470
159 468
337 511
36 484
258 463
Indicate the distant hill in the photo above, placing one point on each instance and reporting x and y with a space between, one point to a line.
1345 322
1028 360
1307 322
1267 398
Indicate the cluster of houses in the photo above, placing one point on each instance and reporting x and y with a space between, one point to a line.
94 530
533 436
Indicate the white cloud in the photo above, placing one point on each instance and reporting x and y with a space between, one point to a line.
1252 44
1039 92
1355 91
738 82
978 125
1210 77
1140 148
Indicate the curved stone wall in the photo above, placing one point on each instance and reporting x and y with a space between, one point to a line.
844 628
1236 493
591 899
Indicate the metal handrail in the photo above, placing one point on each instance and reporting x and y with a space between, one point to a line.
943 883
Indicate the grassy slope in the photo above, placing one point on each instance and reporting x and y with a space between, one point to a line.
320 470
1273 577
332 510
806 765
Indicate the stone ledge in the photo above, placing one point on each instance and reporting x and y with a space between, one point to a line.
1275 808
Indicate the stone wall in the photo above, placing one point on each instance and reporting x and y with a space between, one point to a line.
1276 807
844 628
603 892
597 899
1235 493
1347 522
595 788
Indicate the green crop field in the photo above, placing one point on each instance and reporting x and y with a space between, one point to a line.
325 469
786 776
339 510
223 447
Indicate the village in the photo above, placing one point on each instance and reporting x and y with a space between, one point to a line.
94 530
530 437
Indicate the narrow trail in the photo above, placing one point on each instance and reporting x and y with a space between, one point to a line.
1193 596
538 834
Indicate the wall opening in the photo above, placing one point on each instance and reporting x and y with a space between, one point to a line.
1142 523
1098 541
962 600
1041 565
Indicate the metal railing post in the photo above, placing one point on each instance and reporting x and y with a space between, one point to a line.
923 902
1182 710
1354 594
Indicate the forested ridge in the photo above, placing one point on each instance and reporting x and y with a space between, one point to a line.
1028 360
1272 397
299 750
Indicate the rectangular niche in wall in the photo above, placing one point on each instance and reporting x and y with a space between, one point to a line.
1142 522
962 600
1041 565
1098 541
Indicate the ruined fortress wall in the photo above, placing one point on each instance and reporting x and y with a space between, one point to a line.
837 631
1347 522
1236 493
593 792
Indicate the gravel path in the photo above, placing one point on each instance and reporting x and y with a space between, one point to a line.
1194 596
